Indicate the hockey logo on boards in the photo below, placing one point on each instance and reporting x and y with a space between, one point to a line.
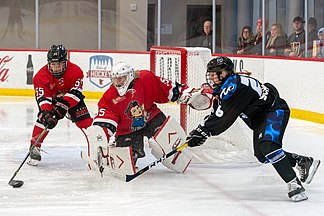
99 70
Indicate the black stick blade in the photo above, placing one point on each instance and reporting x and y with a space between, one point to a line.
16 183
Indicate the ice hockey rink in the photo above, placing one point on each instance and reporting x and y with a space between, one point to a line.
62 185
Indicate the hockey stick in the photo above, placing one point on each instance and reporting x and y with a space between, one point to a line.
19 183
128 178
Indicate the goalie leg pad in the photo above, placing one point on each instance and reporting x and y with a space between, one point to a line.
170 136
179 162
121 160
97 144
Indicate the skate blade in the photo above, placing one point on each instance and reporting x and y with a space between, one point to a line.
314 168
299 197
32 162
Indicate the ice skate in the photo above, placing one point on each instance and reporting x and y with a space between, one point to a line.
296 191
307 168
35 156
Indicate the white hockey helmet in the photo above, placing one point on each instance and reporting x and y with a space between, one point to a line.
121 76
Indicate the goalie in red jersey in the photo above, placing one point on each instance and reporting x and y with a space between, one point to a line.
58 90
128 111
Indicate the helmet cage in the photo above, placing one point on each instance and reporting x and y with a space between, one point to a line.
57 53
208 80
122 69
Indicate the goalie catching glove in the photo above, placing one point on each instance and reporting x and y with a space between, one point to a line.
198 99
198 136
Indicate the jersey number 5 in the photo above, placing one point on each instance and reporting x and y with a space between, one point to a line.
101 112
39 92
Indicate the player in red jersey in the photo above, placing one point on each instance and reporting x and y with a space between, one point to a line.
128 110
58 90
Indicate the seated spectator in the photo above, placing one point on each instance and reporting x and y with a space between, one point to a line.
257 49
296 40
320 34
312 33
206 40
318 45
245 41
277 41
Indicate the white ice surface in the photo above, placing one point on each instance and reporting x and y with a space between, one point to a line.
62 185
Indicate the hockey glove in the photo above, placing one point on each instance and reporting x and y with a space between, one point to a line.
61 107
197 136
47 119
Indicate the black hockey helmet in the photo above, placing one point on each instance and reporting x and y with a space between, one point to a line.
57 53
217 65
221 63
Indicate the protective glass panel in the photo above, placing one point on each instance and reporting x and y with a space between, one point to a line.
17 21
72 23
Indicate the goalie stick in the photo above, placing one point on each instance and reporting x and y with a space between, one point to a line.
19 183
125 177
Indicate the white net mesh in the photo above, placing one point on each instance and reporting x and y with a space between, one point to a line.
188 65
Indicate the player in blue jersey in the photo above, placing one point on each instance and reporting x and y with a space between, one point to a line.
261 108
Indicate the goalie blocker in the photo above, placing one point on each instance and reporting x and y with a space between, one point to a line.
119 159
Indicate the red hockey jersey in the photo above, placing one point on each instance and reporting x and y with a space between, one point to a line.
132 111
69 86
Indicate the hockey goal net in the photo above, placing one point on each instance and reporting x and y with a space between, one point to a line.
188 65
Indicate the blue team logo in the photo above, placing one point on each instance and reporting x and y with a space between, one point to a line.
99 70
228 88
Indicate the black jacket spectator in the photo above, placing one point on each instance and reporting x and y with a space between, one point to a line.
245 41
277 41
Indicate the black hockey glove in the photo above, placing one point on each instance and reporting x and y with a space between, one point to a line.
47 119
197 136
61 107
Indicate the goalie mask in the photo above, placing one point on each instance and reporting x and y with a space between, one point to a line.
121 76
57 60
216 66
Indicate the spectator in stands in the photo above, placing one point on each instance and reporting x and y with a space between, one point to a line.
245 41
312 34
206 40
257 49
277 41
296 40
320 34
318 50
